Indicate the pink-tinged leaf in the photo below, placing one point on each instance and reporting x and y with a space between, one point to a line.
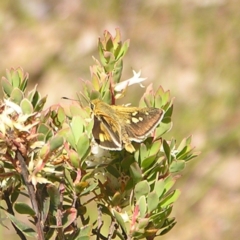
69 216
135 217
7 87
74 158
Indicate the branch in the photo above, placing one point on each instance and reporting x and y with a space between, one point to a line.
112 230
32 195
100 222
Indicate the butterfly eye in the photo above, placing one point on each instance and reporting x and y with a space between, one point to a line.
92 106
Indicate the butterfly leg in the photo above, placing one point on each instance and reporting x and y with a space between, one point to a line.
127 143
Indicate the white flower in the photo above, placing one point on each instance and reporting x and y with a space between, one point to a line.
98 156
12 107
135 79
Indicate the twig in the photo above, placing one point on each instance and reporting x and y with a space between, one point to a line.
59 214
112 230
95 232
32 195
100 222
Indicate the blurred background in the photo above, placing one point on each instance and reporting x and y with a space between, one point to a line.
191 47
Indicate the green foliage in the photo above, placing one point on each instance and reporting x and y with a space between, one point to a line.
49 157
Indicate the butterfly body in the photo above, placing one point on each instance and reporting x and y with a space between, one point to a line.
116 126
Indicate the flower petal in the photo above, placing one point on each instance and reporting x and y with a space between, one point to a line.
135 79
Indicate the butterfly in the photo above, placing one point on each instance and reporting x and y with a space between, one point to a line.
115 127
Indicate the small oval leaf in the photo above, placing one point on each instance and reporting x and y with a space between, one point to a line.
177 166
141 188
23 208
26 106
56 142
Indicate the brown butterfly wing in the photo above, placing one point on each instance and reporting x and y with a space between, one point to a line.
142 122
107 133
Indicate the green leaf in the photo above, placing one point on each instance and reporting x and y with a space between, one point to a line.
147 162
165 97
137 155
177 166
170 223
83 238
89 189
182 145
54 197
68 179
144 153
77 126
113 171
40 104
142 206
7 87
160 215
43 128
85 232
45 208
61 115
169 182
143 222
165 126
167 151
116 198
159 187
44 151
82 145
119 220
105 210
117 71
80 186
74 158
35 98
56 142
181 152
152 201
15 194
17 96
141 188
22 227
70 139
15 79
171 198
155 147
136 172
26 106
24 208
31 94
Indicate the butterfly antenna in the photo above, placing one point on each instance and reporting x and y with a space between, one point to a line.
70 99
